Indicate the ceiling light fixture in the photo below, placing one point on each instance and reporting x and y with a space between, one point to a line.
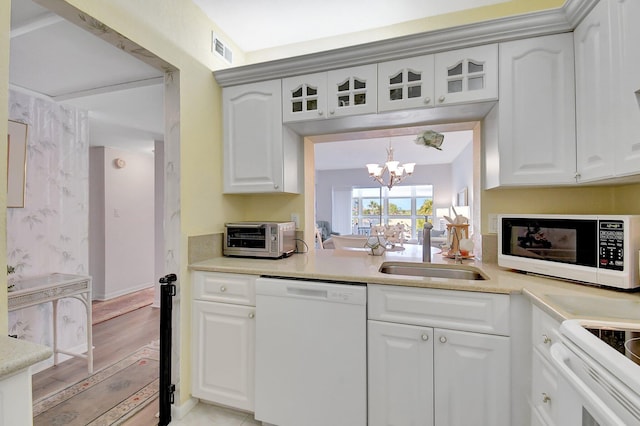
398 172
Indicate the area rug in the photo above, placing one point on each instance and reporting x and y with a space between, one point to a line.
107 309
107 397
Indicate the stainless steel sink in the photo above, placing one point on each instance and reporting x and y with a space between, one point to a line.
432 270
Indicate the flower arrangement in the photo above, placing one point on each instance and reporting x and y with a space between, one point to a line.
392 234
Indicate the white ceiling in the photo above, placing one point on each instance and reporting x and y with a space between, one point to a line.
258 24
55 58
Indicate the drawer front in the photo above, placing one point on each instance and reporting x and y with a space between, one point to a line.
458 310
544 331
225 288
544 389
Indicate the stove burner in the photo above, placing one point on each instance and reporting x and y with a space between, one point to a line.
627 342
632 347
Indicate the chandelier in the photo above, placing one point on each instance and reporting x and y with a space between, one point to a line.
396 172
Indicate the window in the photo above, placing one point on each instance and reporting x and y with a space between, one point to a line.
403 204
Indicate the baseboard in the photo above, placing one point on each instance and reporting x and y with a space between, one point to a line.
179 411
112 295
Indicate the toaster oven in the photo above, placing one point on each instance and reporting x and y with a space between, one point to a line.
259 239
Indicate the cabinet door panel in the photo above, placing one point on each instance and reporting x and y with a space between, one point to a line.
406 83
352 91
253 148
624 18
466 75
224 353
304 97
472 379
537 111
594 95
400 378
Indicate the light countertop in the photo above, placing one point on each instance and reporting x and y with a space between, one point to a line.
16 355
562 299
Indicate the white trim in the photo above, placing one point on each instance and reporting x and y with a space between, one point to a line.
535 24
179 411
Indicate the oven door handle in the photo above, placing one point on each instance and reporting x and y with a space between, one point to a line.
559 356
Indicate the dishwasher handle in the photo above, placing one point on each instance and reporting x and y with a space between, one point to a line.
307 292
353 294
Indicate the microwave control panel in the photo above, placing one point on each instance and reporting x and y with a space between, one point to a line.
611 244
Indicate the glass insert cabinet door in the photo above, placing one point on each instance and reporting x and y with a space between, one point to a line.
466 75
406 83
352 91
304 97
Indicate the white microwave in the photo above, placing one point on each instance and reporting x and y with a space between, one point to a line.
595 249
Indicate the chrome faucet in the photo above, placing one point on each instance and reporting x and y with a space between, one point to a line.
426 241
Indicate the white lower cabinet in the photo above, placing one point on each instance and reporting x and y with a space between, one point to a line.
400 374
223 348
425 375
15 399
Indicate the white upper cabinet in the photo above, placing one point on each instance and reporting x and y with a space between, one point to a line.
536 136
625 15
594 95
608 91
406 83
336 93
352 91
260 154
304 97
466 75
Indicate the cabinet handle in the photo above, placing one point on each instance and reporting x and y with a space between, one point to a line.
276 186
546 339
443 339
545 398
223 289
251 315
427 100
425 337
320 112
441 99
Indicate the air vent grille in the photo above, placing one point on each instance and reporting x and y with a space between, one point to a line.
220 48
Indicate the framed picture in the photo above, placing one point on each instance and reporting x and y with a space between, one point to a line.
16 163
462 199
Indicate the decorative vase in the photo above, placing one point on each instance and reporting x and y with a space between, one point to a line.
376 245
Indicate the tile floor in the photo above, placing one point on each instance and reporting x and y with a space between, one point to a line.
211 415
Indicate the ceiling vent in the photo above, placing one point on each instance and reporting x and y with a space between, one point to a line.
220 48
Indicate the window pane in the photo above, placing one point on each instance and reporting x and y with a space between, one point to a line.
360 98
297 93
457 70
399 207
414 92
296 107
413 76
395 94
311 91
370 207
396 79
312 104
475 67
343 87
476 83
454 86
424 206
359 84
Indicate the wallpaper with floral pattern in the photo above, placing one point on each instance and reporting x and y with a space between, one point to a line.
50 234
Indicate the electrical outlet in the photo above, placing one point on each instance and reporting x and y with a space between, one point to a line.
295 217
493 223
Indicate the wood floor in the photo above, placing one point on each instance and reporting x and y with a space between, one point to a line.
113 340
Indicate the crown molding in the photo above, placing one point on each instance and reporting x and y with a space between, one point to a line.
535 24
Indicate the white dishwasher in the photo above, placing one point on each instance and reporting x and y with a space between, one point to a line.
311 360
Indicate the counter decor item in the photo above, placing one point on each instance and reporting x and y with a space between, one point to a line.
392 234
375 245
